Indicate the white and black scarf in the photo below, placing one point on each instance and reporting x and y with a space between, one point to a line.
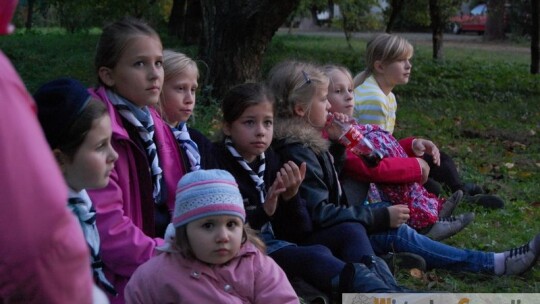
189 146
258 178
146 132
82 207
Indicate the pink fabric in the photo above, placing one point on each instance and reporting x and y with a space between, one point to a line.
251 277
6 13
125 208
43 255
424 206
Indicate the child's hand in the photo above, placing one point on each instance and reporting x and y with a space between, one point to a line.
288 180
333 130
421 146
424 167
399 214
291 177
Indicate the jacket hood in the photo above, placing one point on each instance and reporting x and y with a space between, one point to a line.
296 130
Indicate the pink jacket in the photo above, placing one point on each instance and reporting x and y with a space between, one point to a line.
125 208
251 277
393 170
43 253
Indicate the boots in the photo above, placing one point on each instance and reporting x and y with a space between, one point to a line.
379 266
357 278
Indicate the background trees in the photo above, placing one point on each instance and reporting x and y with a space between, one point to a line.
232 35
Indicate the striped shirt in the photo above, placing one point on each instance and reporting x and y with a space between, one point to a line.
371 106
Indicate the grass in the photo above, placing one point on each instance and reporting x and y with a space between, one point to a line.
479 105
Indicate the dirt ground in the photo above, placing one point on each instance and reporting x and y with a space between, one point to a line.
465 40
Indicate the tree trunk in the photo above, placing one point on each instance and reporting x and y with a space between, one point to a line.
396 6
535 36
437 29
29 15
495 23
177 19
236 34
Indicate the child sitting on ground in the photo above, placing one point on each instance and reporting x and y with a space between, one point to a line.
210 256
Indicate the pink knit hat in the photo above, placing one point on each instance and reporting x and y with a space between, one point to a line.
204 193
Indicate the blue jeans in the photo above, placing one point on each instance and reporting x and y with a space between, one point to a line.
436 254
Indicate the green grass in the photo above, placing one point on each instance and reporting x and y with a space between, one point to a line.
480 106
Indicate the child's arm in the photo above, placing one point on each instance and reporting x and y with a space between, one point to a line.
272 284
124 246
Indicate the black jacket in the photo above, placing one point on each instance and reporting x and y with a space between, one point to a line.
295 140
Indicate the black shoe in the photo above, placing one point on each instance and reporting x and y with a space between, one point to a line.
472 189
485 200
404 260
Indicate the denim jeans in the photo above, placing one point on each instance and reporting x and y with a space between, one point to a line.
436 254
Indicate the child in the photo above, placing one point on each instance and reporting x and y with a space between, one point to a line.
177 104
427 211
270 195
78 130
212 257
387 65
302 107
133 210
43 256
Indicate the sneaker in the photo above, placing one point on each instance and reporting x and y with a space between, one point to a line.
472 189
486 201
446 227
519 260
450 204
404 260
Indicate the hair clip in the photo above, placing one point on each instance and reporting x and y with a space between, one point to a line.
306 77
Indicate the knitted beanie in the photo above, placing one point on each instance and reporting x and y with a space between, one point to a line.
204 193
59 103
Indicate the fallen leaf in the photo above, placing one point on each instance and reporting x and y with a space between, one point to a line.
416 273
509 165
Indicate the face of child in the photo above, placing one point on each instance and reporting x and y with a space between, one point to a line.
94 160
179 96
138 75
340 93
252 132
397 72
215 239
320 105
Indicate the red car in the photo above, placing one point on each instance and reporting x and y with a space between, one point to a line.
475 21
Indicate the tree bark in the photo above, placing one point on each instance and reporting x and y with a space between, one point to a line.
495 23
29 15
396 6
176 25
437 29
535 37
236 35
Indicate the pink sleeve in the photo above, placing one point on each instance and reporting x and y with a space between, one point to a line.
124 246
394 170
43 257
272 285
406 143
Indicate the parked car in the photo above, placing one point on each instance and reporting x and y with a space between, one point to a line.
475 21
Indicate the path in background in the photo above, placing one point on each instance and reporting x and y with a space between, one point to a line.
466 40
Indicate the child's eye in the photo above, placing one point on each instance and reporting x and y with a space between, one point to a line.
139 64
159 63
207 225
249 122
232 224
268 123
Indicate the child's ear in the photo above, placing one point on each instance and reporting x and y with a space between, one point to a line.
60 158
226 129
105 74
378 66
299 110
